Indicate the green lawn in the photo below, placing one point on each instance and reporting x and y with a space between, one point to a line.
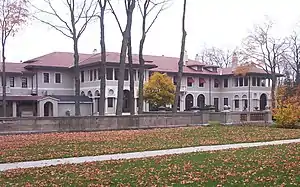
58 145
262 166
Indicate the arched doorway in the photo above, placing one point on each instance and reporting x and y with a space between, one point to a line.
201 101
189 102
48 109
263 102
126 101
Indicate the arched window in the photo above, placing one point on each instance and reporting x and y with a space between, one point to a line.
236 102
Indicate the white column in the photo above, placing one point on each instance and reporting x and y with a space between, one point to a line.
105 107
14 109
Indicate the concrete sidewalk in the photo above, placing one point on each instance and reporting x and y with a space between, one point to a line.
76 160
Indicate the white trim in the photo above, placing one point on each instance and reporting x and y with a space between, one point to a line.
55 88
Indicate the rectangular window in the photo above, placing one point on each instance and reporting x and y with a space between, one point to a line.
126 75
46 77
246 81
12 81
258 81
201 82
57 78
253 81
236 103
226 101
216 83
109 74
190 81
134 75
95 74
175 80
241 81
91 75
263 82
225 83
110 102
216 103
24 82
116 74
236 82
82 76
98 73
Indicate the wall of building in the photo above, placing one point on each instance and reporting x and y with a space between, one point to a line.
66 87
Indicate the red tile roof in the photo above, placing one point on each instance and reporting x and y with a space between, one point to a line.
56 59
163 63
14 67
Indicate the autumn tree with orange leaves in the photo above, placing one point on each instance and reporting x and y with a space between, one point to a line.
13 15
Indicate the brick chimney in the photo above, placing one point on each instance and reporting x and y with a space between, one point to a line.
197 58
185 58
234 60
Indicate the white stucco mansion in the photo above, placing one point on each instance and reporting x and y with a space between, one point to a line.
44 86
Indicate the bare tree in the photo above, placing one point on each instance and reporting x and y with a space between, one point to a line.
180 63
216 56
102 5
13 15
131 78
293 56
72 26
129 7
267 51
146 9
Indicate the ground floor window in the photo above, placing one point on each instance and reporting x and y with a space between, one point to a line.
110 102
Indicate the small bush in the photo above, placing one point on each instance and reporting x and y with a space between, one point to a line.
287 116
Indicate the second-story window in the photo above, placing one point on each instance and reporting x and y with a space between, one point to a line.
201 82
12 81
57 78
95 74
99 73
258 81
126 77
46 77
190 81
109 73
246 81
175 80
24 82
91 75
241 81
216 83
116 74
236 82
225 83
253 81
82 76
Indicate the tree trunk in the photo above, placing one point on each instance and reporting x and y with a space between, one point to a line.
76 77
121 75
131 79
102 65
297 81
141 75
180 63
3 81
273 89
126 36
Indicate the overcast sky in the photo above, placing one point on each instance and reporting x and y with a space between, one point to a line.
219 23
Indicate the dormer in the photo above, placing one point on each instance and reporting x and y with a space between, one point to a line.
196 67
211 68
